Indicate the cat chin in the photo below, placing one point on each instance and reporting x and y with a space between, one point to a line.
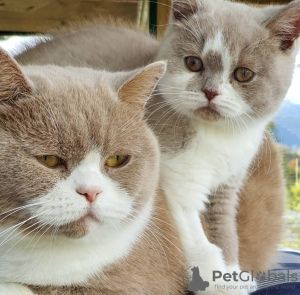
79 228
207 114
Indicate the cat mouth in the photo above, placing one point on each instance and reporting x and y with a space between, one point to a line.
80 227
208 113
89 217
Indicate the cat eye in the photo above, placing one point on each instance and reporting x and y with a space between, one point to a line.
49 160
117 161
193 63
243 75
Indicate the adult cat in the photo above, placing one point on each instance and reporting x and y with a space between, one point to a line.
80 211
114 47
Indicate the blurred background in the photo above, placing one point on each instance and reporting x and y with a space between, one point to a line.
22 19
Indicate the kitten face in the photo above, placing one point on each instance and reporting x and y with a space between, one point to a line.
225 60
76 116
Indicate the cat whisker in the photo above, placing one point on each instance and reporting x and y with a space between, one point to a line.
156 230
12 211
39 228
157 239
159 242
16 227
42 225
41 235
49 111
162 105
243 122
19 233
169 86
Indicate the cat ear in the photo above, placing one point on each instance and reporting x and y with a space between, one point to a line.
183 9
285 26
13 83
138 88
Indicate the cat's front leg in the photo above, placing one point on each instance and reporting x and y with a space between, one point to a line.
221 223
14 289
220 217
199 252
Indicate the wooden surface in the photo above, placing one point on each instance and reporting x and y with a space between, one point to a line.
44 15
264 2
163 11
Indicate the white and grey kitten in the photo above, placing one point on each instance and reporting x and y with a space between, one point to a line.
229 68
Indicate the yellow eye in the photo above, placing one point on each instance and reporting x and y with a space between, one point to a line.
116 161
193 63
49 161
243 75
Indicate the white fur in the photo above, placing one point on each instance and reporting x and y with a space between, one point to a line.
190 176
211 158
14 289
46 260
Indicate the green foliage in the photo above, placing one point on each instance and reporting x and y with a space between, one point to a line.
291 237
293 197
292 219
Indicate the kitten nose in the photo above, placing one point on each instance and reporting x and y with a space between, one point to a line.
210 94
89 193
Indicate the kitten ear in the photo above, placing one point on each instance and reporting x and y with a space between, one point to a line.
183 9
285 26
139 87
13 83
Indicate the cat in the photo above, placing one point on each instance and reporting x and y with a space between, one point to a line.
261 199
80 208
233 80
217 137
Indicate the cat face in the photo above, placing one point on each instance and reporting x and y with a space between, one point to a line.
227 61
75 153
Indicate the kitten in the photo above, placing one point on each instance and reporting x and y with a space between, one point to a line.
233 80
79 170
261 201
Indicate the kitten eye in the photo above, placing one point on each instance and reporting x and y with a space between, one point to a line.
117 161
243 75
49 161
193 63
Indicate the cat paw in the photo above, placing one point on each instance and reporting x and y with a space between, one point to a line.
244 283
222 280
14 289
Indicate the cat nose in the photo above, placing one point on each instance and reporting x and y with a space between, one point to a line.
210 94
89 193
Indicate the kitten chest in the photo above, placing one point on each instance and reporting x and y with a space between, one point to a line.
208 161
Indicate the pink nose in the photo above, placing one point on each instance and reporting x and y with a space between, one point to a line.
90 194
210 94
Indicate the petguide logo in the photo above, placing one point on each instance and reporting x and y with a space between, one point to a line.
192 280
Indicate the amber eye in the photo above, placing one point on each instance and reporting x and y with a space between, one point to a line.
193 63
49 161
243 75
117 161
